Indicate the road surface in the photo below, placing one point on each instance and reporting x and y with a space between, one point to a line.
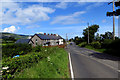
90 64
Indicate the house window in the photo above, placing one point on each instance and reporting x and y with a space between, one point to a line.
36 41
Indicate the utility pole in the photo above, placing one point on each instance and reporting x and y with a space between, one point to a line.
88 33
113 22
112 14
66 40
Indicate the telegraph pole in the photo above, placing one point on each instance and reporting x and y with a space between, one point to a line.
66 40
88 33
113 14
113 22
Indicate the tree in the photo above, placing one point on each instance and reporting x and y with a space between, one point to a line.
107 35
92 30
71 40
97 37
117 12
76 40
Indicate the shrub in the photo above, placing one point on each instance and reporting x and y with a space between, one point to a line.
19 63
105 43
114 48
83 44
36 49
96 45
114 44
11 50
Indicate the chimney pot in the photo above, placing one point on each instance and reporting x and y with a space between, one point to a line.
44 33
54 34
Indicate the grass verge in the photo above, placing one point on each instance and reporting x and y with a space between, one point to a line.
54 66
98 50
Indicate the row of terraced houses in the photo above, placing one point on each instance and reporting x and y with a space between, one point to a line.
43 39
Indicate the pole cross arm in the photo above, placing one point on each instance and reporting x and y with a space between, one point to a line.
109 3
117 4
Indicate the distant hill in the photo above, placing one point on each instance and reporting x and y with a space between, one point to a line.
16 36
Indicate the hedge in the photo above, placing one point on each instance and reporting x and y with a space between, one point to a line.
114 48
19 63
106 42
11 50
83 44
96 45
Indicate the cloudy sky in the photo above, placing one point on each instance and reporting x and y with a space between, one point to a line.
55 17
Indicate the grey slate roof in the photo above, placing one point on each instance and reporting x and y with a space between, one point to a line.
22 40
49 37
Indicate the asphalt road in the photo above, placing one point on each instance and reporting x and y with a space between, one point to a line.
86 67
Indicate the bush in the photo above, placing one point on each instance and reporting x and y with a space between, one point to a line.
19 63
95 45
36 49
11 50
83 44
105 43
113 48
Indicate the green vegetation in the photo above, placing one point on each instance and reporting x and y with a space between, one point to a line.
82 44
31 58
11 50
99 42
114 48
6 35
96 45
92 30
98 50
54 66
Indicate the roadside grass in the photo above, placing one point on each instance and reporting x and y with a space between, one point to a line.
98 50
54 66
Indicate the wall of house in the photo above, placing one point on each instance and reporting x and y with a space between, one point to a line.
38 42
31 43
53 42
60 41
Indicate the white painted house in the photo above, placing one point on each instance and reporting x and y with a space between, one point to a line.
44 40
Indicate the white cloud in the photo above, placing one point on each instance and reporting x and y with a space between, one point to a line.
62 5
59 0
117 17
32 26
104 21
69 19
12 13
18 28
10 29
81 3
95 0
91 6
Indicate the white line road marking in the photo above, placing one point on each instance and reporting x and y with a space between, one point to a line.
71 69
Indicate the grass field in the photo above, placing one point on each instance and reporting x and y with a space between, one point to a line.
54 66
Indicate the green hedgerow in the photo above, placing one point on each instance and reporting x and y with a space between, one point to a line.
96 45
15 49
83 44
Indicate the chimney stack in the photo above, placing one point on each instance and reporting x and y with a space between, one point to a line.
51 34
54 34
48 33
44 33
